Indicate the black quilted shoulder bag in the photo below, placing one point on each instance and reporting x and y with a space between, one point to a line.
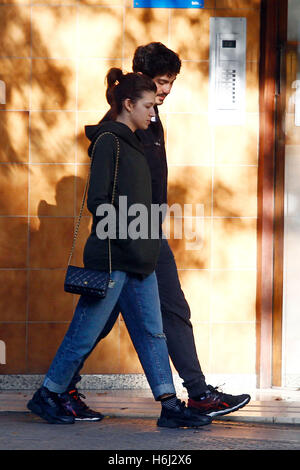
84 281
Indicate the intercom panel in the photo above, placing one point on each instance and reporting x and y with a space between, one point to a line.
227 74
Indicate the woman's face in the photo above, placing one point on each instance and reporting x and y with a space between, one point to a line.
142 111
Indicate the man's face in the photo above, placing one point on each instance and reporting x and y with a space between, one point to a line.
164 85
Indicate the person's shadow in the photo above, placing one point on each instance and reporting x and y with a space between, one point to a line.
54 240
51 241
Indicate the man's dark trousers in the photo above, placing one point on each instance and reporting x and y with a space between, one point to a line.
176 322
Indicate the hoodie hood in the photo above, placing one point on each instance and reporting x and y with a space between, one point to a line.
117 128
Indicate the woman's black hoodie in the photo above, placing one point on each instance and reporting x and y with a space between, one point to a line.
136 256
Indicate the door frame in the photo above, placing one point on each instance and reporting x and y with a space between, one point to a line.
270 222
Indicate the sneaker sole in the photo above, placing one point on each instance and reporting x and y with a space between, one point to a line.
36 409
170 423
89 419
228 410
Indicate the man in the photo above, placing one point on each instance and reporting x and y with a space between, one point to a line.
163 65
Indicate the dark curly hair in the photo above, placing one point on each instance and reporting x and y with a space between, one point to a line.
156 59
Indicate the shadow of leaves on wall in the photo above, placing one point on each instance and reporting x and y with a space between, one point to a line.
38 121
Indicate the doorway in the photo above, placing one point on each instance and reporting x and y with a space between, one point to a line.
278 283
289 139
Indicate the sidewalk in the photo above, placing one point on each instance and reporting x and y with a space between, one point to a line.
271 421
266 406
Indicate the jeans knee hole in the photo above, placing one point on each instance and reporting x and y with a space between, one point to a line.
158 335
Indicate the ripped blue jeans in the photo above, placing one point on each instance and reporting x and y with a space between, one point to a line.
140 306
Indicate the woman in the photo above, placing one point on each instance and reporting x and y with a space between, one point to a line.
132 260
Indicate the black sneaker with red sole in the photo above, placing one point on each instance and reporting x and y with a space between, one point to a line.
48 406
75 406
182 417
216 403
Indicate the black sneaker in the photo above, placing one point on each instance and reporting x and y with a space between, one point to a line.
216 403
181 417
48 406
72 403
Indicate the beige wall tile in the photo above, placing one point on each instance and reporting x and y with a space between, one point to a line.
163 116
190 185
14 189
53 137
235 191
13 281
47 19
105 2
190 90
238 3
238 144
252 87
196 286
190 254
85 119
52 2
233 348
202 341
15 31
13 242
42 304
209 3
15 73
100 31
234 243
233 296
92 84
50 241
189 33
53 84
189 139
15 2
143 26
43 341
14 145
52 190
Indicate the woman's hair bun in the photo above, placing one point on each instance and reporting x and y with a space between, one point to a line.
113 76
122 86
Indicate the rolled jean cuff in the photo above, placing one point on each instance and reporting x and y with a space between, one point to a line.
54 387
161 389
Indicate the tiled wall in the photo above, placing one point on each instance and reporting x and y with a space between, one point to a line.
53 58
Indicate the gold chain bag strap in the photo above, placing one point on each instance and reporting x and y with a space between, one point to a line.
85 281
